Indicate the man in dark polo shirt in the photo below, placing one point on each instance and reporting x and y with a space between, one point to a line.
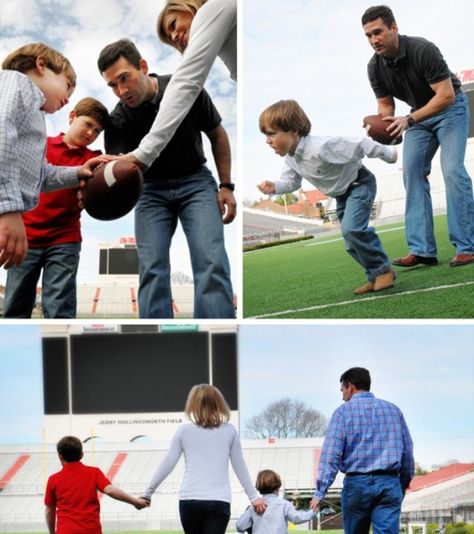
178 186
413 70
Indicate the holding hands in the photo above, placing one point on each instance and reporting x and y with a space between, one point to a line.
141 502
314 504
259 505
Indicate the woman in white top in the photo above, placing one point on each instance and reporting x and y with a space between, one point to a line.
201 30
208 444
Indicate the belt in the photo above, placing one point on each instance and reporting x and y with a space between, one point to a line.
370 473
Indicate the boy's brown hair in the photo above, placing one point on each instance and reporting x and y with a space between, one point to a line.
206 406
268 481
92 108
286 115
24 59
70 448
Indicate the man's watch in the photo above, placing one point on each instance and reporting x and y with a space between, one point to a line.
411 120
227 185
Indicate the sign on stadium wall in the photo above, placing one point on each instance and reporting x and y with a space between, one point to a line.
466 76
118 427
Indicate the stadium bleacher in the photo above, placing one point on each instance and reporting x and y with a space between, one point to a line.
438 497
263 226
442 496
131 466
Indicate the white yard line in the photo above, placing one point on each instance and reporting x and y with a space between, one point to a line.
355 301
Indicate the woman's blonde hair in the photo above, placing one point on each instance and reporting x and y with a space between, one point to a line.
286 115
189 6
24 59
206 406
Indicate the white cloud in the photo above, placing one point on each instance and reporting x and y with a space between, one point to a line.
421 368
19 16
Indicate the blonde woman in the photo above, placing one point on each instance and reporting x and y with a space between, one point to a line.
208 443
201 30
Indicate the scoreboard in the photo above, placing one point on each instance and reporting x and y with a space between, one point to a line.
119 385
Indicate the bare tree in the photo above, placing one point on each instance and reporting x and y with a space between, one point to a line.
286 418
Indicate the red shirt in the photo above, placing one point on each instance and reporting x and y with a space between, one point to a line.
56 218
73 491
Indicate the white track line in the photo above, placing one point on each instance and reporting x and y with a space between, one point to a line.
341 238
278 247
355 301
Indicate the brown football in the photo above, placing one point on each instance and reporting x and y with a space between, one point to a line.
376 128
113 190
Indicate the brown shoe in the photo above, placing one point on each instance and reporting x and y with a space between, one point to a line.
366 288
461 259
412 259
384 281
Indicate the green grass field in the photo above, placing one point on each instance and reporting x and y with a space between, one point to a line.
316 278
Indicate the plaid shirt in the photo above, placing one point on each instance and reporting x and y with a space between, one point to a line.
365 434
23 169
331 164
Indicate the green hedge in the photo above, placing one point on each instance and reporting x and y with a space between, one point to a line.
460 528
457 528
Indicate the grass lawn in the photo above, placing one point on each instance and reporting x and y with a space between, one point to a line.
316 278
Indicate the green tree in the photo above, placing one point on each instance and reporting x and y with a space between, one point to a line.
419 470
290 198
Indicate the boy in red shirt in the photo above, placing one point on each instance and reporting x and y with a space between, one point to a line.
53 227
72 506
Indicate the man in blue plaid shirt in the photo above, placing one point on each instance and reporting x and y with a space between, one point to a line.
368 440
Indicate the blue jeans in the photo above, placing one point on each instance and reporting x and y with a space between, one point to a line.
353 211
448 130
204 517
59 264
371 499
193 201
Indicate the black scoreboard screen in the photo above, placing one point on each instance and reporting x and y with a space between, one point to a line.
118 261
135 373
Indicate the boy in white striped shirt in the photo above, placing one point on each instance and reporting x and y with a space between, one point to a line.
334 166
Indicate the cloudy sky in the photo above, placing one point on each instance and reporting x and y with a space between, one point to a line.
80 30
425 369
315 51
